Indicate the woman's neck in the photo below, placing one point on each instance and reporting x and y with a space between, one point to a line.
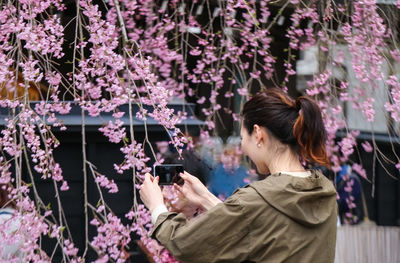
285 162
287 169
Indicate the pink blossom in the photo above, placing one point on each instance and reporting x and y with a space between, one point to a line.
103 181
360 170
69 248
394 105
201 100
367 146
30 71
114 131
64 186
243 91
368 109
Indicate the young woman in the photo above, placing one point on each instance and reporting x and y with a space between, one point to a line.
288 217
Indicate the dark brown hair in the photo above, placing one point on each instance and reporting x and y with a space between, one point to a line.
297 123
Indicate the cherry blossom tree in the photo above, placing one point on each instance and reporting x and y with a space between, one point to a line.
143 53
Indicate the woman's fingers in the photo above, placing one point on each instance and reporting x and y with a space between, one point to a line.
178 188
187 177
183 176
148 177
150 192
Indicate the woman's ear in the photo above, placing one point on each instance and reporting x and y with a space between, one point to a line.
261 134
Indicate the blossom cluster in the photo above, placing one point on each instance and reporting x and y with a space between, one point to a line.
112 235
143 226
393 107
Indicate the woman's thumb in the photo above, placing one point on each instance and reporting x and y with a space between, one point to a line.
184 176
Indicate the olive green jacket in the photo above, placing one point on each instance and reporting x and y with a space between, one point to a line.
279 219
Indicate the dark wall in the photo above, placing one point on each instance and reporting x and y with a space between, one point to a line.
382 193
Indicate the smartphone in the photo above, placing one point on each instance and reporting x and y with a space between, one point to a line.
168 173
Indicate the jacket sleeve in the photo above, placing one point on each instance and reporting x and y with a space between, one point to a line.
219 235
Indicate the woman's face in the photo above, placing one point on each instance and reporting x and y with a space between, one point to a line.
245 143
249 148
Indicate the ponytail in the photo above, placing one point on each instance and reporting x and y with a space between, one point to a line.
309 132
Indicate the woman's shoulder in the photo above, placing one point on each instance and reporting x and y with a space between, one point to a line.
247 196
282 181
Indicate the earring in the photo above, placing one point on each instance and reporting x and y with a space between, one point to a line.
259 145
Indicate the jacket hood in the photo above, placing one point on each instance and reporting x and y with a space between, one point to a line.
308 201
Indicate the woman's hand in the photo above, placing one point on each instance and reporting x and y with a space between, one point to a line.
196 193
150 192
